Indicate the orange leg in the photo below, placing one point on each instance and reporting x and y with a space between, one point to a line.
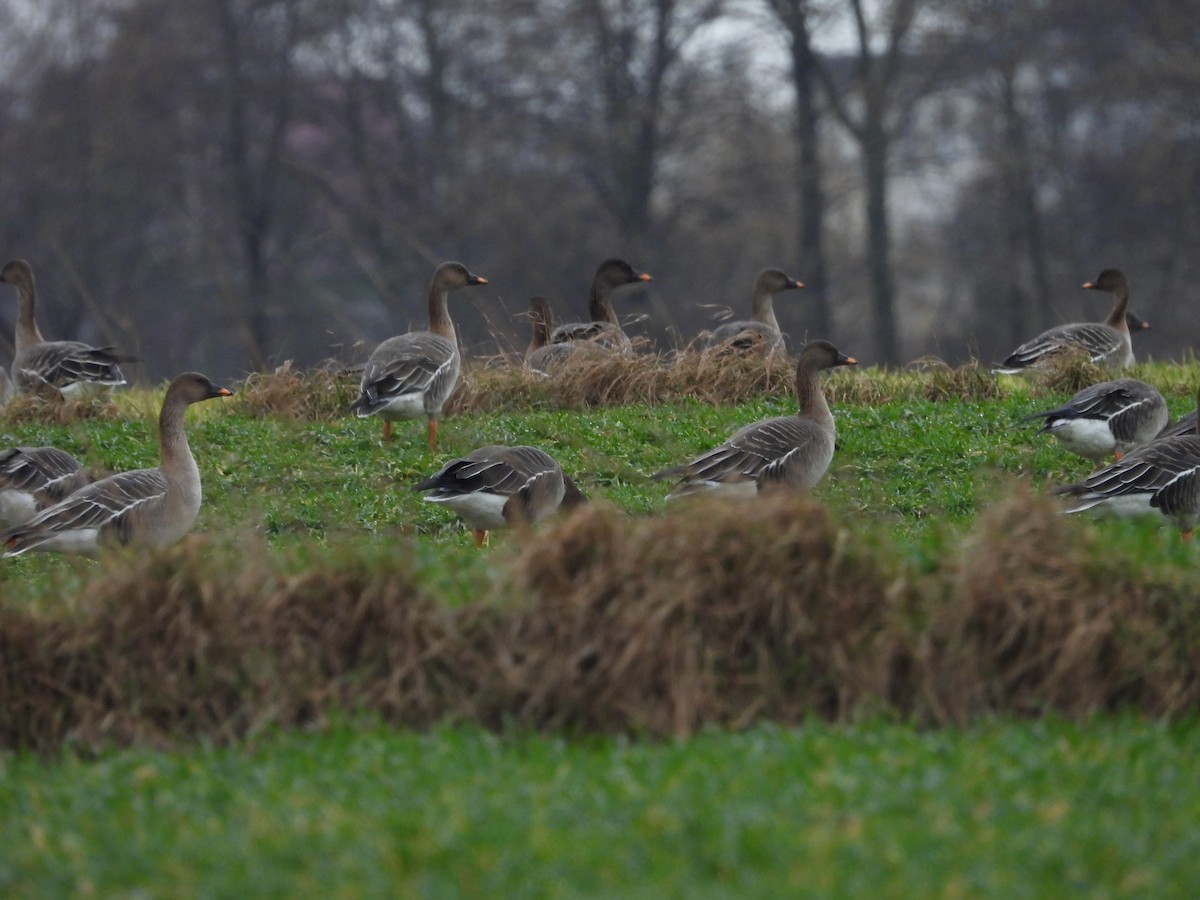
481 537
387 433
432 433
1116 456
1186 535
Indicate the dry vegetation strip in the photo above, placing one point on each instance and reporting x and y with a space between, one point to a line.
662 625
607 380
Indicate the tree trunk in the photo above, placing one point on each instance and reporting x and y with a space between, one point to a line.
875 159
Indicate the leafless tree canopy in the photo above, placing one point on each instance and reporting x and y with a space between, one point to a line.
226 184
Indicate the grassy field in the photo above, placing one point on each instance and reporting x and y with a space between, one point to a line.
920 514
1046 809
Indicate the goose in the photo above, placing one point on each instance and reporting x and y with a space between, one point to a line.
1162 476
32 478
604 327
73 368
541 356
1185 425
412 375
1105 419
786 450
144 508
1106 343
761 331
498 487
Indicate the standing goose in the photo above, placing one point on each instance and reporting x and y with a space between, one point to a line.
32 478
761 331
1163 475
498 487
604 327
412 375
1106 419
786 450
145 507
73 368
1106 343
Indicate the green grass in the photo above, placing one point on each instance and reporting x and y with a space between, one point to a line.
1106 808
1102 808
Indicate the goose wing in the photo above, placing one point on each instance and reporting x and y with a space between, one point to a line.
62 363
415 363
44 472
110 504
1099 341
763 449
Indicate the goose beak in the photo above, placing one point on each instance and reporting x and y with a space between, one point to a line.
796 283
644 276
477 279
224 392
1089 285
844 360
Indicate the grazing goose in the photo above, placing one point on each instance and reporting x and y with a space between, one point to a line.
1106 343
146 507
761 331
73 368
787 450
604 327
412 375
1106 419
32 478
1163 475
498 487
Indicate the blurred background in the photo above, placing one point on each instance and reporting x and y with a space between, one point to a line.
228 184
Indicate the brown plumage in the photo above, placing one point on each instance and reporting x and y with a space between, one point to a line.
146 507
761 331
499 487
32 478
72 368
1106 343
793 451
604 327
412 375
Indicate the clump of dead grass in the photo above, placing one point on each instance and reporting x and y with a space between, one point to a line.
710 614
311 395
968 381
722 614
24 409
1041 621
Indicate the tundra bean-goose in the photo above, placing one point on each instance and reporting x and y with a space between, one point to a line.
412 375
1185 425
498 487
32 478
545 358
1106 419
604 327
146 507
73 368
792 451
1106 343
761 332
1162 476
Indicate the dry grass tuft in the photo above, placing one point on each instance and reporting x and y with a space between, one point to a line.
616 379
969 381
712 614
315 395
718 613
1069 372
26 409
1041 621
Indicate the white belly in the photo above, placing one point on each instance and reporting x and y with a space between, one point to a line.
404 406
1090 438
1125 505
742 487
84 390
16 507
479 510
79 540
